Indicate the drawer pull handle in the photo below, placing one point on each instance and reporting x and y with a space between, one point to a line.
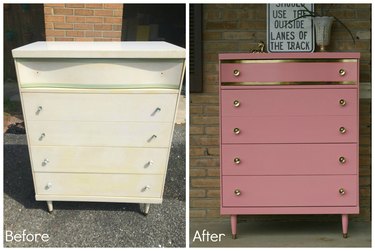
48 186
237 192
341 191
45 162
148 164
236 131
237 161
236 103
342 72
42 136
156 110
144 189
40 108
342 130
342 102
152 137
236 73
342 160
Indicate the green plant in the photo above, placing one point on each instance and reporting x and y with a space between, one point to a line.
309 13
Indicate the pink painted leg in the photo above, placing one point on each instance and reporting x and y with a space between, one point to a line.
233 223
345 221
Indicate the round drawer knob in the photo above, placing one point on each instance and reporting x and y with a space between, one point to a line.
42 136
145 188
342 130
342 102
48 186
342 72
236 73
236 103
40 108
236 130
237 161
342 160
237 192
45 162
341 191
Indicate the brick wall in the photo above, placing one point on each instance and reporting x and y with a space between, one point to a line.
83 22
238 28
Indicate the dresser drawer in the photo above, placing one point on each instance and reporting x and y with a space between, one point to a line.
115 185
99 159
292 191
100 73
100 107
289 159
133 134
278 73
298 129
289 102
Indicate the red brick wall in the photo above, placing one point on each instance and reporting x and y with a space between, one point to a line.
83 22
238 28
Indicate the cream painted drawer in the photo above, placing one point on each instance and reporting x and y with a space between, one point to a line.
99 159
73 133
100 73
100 107
115 185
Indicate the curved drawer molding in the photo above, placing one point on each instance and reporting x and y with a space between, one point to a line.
100 73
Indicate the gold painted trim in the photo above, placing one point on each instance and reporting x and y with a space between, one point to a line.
271 61
288 83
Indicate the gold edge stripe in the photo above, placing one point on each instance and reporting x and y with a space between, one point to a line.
269 61
289 83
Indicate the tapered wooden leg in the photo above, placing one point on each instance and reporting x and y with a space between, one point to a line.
50 206
345 222
147 208
233 223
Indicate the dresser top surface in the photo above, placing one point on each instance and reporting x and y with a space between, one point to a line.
147 49
315 55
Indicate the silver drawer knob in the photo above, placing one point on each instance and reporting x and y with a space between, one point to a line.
145 188
152 137
156 111
148 164
342 102
40 108
236 130
42 136
48 186
45 162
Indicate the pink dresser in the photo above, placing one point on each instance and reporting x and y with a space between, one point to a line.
289 134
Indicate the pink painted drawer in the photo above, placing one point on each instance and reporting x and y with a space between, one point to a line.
297 129
271 71
289 159
292 191
289 102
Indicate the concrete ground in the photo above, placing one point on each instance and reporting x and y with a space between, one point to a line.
281 234
89 224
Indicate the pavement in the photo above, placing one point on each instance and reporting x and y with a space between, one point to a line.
91 224
279 234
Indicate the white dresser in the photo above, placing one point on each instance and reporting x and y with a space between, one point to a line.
99 118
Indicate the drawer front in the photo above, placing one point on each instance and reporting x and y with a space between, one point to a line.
100 73
291 191
116 185
57 133
289 159
99 159
275 73
298 129
100 107
289 102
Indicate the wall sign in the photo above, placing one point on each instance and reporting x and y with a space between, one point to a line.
297 36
